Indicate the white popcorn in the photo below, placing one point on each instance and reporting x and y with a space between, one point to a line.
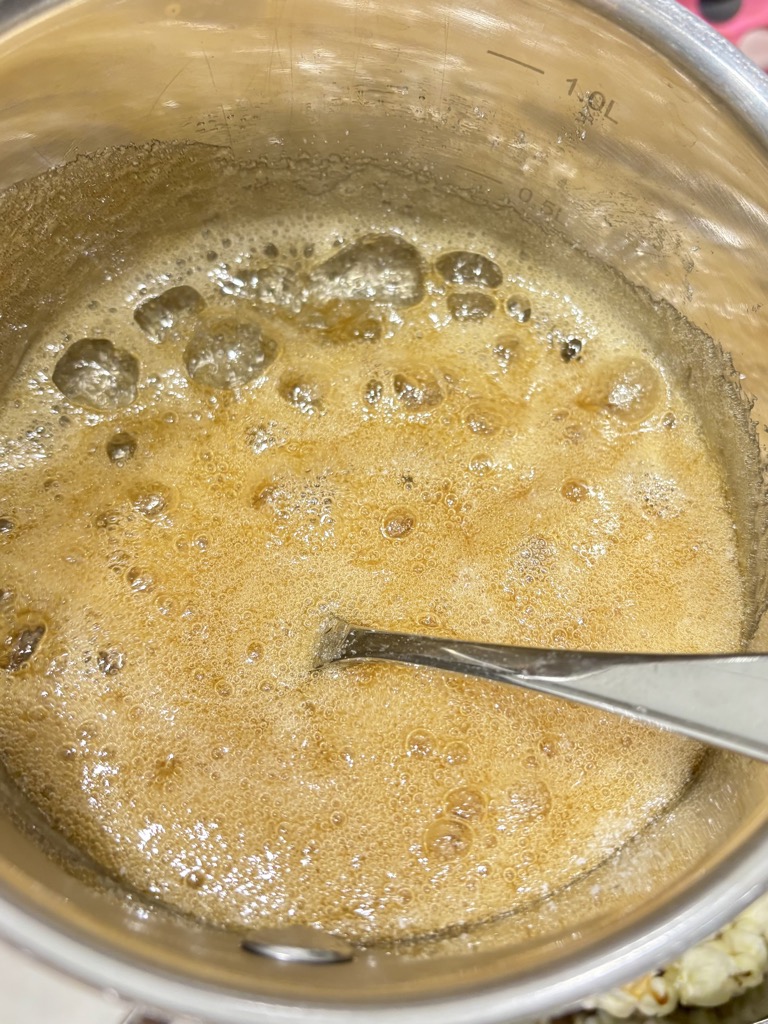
704 976
708 975
618 1003
755 918
658 996
749 953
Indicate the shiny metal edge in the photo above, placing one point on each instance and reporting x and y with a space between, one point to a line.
689 919
143 1016
707 56
713 62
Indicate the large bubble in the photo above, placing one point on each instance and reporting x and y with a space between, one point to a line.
384 269
227 351
19 645
273 289
467 803
95 374
628 389
158 315
469 268
121 447
447 839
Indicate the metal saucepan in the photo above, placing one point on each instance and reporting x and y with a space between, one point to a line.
623 126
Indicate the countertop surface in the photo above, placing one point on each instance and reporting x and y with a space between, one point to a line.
33 994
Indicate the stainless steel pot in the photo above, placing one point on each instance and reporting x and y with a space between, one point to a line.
623 126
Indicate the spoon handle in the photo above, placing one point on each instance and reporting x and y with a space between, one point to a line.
719 699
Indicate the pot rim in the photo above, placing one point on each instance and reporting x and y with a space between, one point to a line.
705 908
742 89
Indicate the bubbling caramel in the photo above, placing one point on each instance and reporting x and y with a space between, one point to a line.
412 427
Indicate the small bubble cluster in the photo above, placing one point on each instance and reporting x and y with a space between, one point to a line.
519 309
410 424
417 390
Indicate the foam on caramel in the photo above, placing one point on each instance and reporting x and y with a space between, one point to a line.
477 476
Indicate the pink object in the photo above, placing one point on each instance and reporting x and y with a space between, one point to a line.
755 45
752 15
748 29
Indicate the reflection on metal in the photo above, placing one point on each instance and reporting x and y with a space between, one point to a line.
671 192
140 1016
300 945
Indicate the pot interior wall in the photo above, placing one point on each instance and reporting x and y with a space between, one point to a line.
540 111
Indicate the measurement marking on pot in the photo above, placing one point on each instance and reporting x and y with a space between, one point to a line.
514 60
481 174
543 207
595 100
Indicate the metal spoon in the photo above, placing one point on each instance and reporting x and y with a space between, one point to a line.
720 699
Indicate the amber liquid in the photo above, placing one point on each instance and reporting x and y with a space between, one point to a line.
494 456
